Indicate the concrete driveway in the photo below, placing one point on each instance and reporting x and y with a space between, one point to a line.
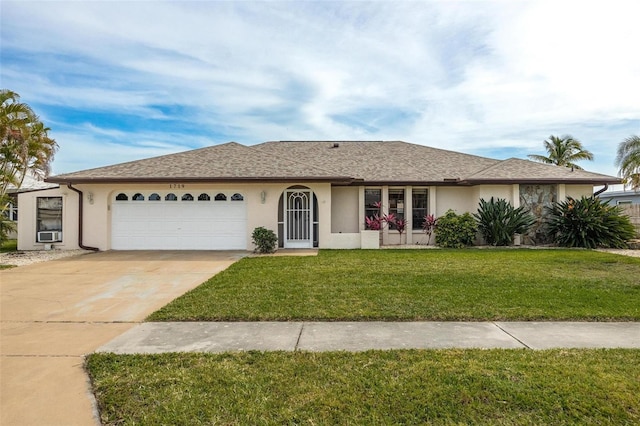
53 313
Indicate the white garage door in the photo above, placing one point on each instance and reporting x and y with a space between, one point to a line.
178 221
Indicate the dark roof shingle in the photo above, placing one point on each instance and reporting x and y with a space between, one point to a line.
391 162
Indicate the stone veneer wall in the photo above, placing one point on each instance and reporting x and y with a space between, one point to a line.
535 198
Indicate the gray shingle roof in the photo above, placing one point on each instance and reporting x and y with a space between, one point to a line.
525 170
388 161
30 183
226 162
333 161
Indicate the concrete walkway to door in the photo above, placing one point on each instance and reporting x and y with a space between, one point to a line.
55 312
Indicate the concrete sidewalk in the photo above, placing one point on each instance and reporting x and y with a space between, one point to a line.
360 336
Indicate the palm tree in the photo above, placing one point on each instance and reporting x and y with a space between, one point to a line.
24 142
25 146
628 159
563 151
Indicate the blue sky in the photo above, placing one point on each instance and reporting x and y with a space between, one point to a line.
123 80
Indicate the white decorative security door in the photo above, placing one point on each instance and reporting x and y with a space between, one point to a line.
298 219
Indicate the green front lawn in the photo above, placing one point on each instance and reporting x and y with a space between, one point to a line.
503 387
9 246
472 284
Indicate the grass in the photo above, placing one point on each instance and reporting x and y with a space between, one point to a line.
472 285
444 387
9 246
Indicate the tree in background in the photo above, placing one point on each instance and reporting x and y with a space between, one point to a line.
25 146
563 151
628 160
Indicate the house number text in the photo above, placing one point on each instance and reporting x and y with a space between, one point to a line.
176 185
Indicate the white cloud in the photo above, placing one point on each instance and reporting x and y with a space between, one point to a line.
485 76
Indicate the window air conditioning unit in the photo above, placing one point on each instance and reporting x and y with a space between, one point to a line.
49 236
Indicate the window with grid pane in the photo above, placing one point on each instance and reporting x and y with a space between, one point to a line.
372 199
419 206
396 204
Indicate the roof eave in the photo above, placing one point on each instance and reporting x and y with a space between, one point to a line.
277 179
577 181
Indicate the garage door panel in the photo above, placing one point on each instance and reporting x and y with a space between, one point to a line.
175 225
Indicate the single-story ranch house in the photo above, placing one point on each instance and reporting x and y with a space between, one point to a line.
311 193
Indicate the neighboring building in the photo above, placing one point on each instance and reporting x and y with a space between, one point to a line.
312 194
29 184
621 198
628 199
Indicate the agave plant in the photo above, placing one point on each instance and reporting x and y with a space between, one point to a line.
589 222
498 221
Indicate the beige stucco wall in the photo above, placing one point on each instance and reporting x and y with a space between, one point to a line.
340 209
344 210
496 191
27 223
457 199
576 191
99 197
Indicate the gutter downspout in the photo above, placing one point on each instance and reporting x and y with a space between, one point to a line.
80 216
606 186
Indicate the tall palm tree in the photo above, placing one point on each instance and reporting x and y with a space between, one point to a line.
628 160
563 151
25 146
24 142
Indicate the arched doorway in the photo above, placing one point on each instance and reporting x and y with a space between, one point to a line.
298 218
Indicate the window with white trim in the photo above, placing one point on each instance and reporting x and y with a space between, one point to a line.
11 213
372 202
49 214
420 199
396 204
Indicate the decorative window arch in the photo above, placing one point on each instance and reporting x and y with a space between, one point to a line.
154 197
237 197
122 197
171 197
187 197
220 197
204 197
137 197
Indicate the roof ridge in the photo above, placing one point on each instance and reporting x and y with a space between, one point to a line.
493 166
307 165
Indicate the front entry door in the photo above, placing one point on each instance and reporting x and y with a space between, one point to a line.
298 219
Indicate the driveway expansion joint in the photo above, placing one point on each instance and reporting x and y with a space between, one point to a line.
296 347
511 335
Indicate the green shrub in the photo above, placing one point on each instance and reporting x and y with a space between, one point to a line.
264 239
498 221
455 231
589 222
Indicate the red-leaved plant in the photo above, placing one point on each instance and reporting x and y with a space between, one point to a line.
377 222
429 225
